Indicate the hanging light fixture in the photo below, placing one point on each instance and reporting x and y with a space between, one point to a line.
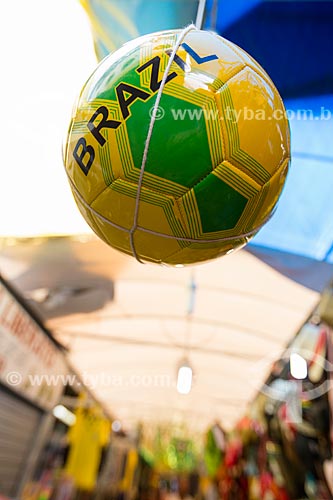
298 366
116 426
64 415
184 378
185 372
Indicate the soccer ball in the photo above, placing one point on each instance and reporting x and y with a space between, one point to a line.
216 161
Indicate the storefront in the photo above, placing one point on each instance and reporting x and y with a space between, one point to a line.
32 367
19 423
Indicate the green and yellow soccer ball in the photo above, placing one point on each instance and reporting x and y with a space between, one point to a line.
216 162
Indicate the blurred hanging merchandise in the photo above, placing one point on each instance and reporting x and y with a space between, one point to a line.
325 309
114 22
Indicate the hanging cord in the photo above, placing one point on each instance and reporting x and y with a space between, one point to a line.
192 287
182 35
200 14
180 39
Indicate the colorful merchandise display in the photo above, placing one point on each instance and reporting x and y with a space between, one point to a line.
281 449
86 438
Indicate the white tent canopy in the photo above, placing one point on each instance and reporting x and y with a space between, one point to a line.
131 327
